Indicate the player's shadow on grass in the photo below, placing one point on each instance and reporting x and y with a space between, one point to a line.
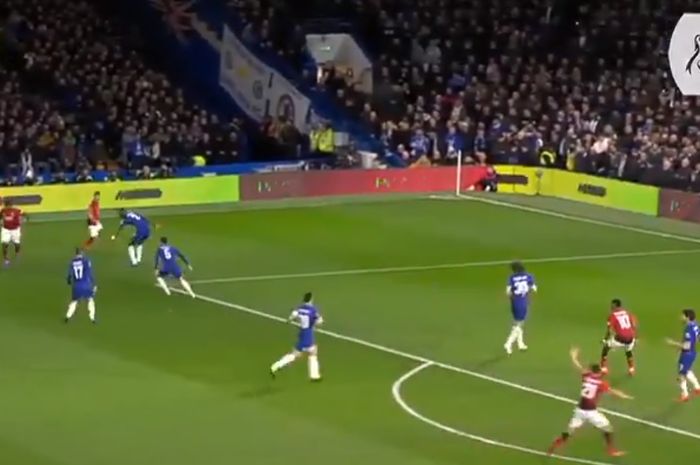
257 392
490 362
668 413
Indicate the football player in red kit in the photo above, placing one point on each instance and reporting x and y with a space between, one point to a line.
11 232
593 386
94 224
621 333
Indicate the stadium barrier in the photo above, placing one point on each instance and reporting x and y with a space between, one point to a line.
131 194
579 187
280 185
679 205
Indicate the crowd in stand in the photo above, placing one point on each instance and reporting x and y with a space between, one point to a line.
579 85
77 96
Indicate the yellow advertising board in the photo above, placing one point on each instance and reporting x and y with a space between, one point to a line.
125 194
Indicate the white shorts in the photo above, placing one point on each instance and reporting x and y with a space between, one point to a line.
8 236
95 229
593 417
615 344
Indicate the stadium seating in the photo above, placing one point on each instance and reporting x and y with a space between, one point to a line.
457 76
78 94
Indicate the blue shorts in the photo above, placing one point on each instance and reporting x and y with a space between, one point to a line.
170 273
83 293
140 237
305 342
685 363
519 313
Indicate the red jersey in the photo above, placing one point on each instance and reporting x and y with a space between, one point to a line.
623 324
94 212
592 388
11 218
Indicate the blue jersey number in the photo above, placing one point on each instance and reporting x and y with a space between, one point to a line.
304 321
78 271
521 288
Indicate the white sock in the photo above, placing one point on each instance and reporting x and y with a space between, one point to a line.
91 309
187 287
513 336
139 253
283 362
684 387
163 285
132 255
693 380
314 367
520 338
71 309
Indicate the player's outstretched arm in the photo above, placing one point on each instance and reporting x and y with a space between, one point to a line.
685 345
620 394
574 353
119 230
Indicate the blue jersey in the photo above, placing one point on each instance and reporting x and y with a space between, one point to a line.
140 224
80 278
691 335
520 286
306 317
167 263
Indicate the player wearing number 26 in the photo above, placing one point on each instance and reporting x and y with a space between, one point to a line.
306 317
520 285
621 333
82 283
593 386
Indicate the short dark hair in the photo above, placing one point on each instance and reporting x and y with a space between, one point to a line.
308 297
595 368
517 267
689 313
8 202
616 303
96 193
163 240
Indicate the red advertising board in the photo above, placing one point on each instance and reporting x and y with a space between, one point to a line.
679 205
352 182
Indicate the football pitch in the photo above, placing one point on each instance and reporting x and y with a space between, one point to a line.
413 294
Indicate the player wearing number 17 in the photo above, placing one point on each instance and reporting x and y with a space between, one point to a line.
592 388
520 285
305 316
167 266
82 283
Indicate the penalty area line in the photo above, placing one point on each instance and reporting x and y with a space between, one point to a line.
444 366
398 398
443 266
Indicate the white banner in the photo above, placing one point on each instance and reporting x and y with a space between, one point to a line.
684 54
258 89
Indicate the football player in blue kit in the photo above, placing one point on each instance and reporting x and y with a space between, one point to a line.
520 285
306 317
82 283
168 266
688 348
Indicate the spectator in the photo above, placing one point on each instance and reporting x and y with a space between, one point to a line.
323 140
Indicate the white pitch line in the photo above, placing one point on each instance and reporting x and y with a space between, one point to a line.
444 266
564 216
444 366
396 393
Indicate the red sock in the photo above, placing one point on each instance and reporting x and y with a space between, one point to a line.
89 242
558 442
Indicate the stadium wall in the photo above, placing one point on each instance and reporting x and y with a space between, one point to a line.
130 194
280 185
581 188
679 205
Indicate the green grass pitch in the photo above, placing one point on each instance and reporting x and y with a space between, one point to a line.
412 290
